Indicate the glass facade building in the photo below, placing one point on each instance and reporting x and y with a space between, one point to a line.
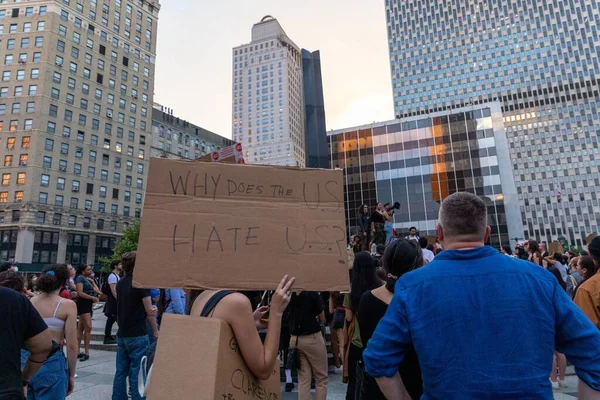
317 155
541 61
419 161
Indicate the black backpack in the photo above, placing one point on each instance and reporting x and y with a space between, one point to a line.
105 286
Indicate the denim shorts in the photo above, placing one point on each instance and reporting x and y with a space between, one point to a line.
51 381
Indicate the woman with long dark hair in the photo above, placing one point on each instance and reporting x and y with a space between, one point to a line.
533 250
399 258
87 296
363 279
56 378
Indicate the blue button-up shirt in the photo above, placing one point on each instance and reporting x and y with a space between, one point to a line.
484 326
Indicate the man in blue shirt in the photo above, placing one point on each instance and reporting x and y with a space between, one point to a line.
484 326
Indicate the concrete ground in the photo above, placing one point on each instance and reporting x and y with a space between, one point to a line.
95 376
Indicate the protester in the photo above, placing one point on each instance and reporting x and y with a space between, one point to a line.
175 301
12 280
401 257
336 308
235 309
588 293
388 228
378 225
557 261
86 298
134 310
110 306
379 249
306 319
21 327
363 279
7 266
574 270
364 223
543 250
56 378
533 252
473 338
412 234
506 250
428 255
357 244
71 282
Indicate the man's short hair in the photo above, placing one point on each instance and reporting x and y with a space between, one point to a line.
423 242
463 215
114 264
380 249
128 262
411 228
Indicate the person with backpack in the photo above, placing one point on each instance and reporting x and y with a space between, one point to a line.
109 288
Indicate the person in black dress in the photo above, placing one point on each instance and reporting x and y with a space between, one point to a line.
399 258
378 225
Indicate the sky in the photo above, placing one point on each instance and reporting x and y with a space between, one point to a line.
194 56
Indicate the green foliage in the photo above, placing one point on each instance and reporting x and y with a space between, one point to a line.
127 243
576 249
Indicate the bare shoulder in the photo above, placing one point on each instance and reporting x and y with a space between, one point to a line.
236 301
232 307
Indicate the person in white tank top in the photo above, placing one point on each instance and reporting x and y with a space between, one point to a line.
60 315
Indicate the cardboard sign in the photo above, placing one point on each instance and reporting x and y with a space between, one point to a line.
230 154
198 358
589 238
555 247
228 226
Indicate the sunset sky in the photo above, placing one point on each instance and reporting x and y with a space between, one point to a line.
194 61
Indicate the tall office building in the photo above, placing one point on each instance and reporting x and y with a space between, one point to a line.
176 138
421 160
75 111
317 153
541 61
268 99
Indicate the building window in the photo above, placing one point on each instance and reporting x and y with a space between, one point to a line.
21 178
5 179
40 217
43 198
60 183
58 200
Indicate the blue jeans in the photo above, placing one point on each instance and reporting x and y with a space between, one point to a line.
51 381
130 351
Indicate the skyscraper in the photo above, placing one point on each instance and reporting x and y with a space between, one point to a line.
75 112
541 61
421 160
316 132
268 99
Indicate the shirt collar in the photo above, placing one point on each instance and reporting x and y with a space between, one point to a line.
479 252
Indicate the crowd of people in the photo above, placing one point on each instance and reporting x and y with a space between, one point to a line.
453 319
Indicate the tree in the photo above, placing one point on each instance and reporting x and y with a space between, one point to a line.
127 243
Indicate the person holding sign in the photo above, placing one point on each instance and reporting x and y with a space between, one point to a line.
235 309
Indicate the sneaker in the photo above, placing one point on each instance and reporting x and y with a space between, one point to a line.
109 340
338 370
555 385
85 357
562 384
289 387
80 355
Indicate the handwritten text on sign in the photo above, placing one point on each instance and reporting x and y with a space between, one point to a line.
213 225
